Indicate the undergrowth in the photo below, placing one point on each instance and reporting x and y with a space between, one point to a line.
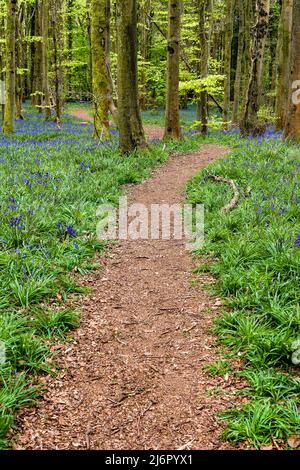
257 270
51 183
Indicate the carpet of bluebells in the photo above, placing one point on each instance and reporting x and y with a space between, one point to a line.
256 251
51 183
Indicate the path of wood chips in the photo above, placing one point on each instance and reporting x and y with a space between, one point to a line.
133 378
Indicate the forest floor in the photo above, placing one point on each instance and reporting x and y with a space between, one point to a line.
134 378
152 131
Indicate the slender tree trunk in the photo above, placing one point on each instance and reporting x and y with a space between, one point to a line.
172 118
144 35
57 37
19 62
204 9
284 49
238 72
37 92
129 119
88 23
227 61
100 79
249 123
246 61
45 31
2 65
10 74
292 130
110 96
69 40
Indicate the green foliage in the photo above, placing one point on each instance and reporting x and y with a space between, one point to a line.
217 368
261 420
51 186
257 266
212 84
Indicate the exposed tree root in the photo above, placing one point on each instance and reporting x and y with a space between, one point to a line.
234 201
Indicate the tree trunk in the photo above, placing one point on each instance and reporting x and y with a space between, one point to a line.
248 22
227 61
284 48
111 104
205 7
292 130
37 92
45 31
144 35
172 118
2 65
129 119
57 37
100 79
69 40
238 72
249 124
19 61
10 74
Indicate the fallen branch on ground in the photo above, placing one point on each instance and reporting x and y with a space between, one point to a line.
234 201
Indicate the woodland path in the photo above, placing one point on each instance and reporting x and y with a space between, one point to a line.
152 131
133 378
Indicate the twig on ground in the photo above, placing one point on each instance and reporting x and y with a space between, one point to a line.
234 201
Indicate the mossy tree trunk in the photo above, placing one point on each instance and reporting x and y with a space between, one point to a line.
204 10
2 66
20 66
10 72
69 40
292 130
145 10
37 92
100 79
129 119
239 63
45 32
172 118
284 49
57 38
249 124
227 61
246 67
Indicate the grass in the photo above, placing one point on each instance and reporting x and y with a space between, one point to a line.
256 250
51 183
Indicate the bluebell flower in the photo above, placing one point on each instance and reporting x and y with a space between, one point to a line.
14 221
70 231
297 240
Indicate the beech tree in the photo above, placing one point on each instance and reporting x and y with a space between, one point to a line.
10 73
204 11
172 118
100 80
284 49
45 80
239 61
129 119
57 43
227 61
249 124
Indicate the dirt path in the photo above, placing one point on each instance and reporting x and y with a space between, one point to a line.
152 131
134 377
